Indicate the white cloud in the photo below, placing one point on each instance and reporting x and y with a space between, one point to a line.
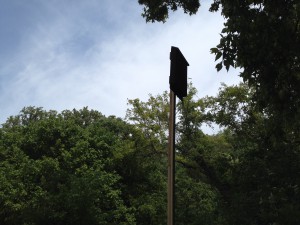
76 59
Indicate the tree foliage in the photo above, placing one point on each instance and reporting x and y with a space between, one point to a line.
80 167
240 167
158 10
58 169
263 39
261 118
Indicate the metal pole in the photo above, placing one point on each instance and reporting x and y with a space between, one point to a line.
171 160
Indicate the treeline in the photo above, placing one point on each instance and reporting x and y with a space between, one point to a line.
81 167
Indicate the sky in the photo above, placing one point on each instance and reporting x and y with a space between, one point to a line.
66 54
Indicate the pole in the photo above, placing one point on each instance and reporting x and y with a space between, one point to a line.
171 160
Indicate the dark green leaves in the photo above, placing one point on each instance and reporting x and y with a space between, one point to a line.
158 10
59 168
219 66
261 37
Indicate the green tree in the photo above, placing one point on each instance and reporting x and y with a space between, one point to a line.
240 167
264 177
59 168
196 192
158 10
150 120
80 167
262 38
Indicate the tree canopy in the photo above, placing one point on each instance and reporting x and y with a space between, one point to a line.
260 37
81 167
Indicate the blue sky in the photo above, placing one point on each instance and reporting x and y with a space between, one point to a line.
65 54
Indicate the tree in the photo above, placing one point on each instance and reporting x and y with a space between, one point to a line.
197 198
158 10
240 167
59 168
80 167
264 180
262 38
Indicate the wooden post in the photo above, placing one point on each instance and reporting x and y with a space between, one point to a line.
178 87
171 160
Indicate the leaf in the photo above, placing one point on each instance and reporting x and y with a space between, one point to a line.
219 66
224 30
227 67
218 55
214 50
